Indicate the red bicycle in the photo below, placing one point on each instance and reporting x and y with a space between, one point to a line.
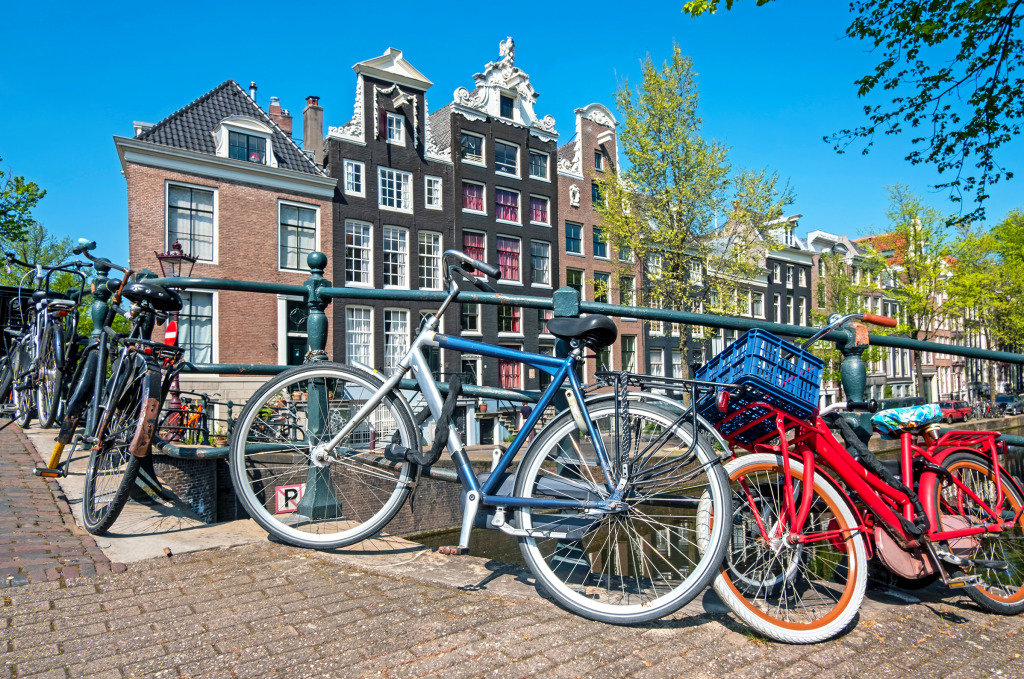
809 512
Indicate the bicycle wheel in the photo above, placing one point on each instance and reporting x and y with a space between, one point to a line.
643 561
797 593
6 382
126 431
49 375
23 391
1002 591
321 504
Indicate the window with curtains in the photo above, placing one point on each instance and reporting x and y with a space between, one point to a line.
359 335
396 129
543 316
357 253
508 257
574 238
506 205
296 235
195 326
396 337
190 220
540 263
509 318
396 257
472 197
474 244
394 189
432 192
539 210
656 362
506 158
353 177
510 373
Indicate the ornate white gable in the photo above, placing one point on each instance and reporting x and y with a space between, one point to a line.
499 78
393 67
353 130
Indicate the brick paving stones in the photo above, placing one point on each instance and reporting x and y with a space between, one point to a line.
268 610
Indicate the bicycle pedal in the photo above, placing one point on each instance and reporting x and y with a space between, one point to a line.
48 473
453 550
964 581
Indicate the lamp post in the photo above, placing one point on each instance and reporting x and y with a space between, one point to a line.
172 265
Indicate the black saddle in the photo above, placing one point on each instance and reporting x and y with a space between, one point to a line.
159 297
595 331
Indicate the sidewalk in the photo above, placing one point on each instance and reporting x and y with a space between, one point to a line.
391 608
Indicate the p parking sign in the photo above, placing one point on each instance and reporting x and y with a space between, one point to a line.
288 497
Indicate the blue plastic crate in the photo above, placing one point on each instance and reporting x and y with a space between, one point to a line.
775 371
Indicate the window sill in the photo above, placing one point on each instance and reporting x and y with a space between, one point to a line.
357 285
574 254
433 207
545 224
403 210
474 212
540 179
353 194
506 281
470 333
506 221
506 175
469 161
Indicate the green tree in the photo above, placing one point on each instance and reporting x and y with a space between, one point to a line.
17 198
916 249
952 68
678 206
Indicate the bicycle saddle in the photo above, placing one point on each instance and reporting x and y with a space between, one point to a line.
595 331
161 298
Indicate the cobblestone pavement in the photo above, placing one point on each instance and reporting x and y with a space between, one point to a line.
268 610
39 540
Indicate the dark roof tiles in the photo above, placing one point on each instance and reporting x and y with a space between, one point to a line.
192 126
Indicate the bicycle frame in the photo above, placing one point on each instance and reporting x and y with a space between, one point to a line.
817 446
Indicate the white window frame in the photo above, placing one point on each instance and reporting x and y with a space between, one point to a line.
607 245
483 198
658 352
395 122
282 327
351 167
548 211
519 208
777 317
802 310
243 125
428 193
303 266
549 273
599 160
622 350
801 278
583 281
395 353
419 257
368 229
522 371
583 251
403 180
473 358
216 214
509 333
497 254
498 171
214 324
482 162
403 270
753 311
479 321
547 165
365 346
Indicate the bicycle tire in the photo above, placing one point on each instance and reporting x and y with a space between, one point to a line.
1002 592
22 386
343 501
126 432
794 593
6 382
49 375
634 565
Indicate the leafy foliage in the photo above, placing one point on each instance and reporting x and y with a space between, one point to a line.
952 70
671 206
17 198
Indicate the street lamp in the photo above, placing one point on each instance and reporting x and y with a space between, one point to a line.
172 265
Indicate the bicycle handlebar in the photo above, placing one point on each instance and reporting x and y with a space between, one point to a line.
880 320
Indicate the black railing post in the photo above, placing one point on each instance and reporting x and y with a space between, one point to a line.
854 375
319 500
98 311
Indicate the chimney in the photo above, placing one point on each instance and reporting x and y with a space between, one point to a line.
252 90
313 128
280 116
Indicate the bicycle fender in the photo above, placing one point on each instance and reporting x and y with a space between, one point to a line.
144 434
927 483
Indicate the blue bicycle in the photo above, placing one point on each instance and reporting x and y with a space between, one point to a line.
604 503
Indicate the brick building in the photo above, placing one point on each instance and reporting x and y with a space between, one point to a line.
224 178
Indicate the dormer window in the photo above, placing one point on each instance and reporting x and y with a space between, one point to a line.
246 139
506 106
248 147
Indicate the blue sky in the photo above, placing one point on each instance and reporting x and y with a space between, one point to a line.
773 81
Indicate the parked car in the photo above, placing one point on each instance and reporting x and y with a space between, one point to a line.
955 411
1010 405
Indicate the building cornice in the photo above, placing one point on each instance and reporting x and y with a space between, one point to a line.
216 167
